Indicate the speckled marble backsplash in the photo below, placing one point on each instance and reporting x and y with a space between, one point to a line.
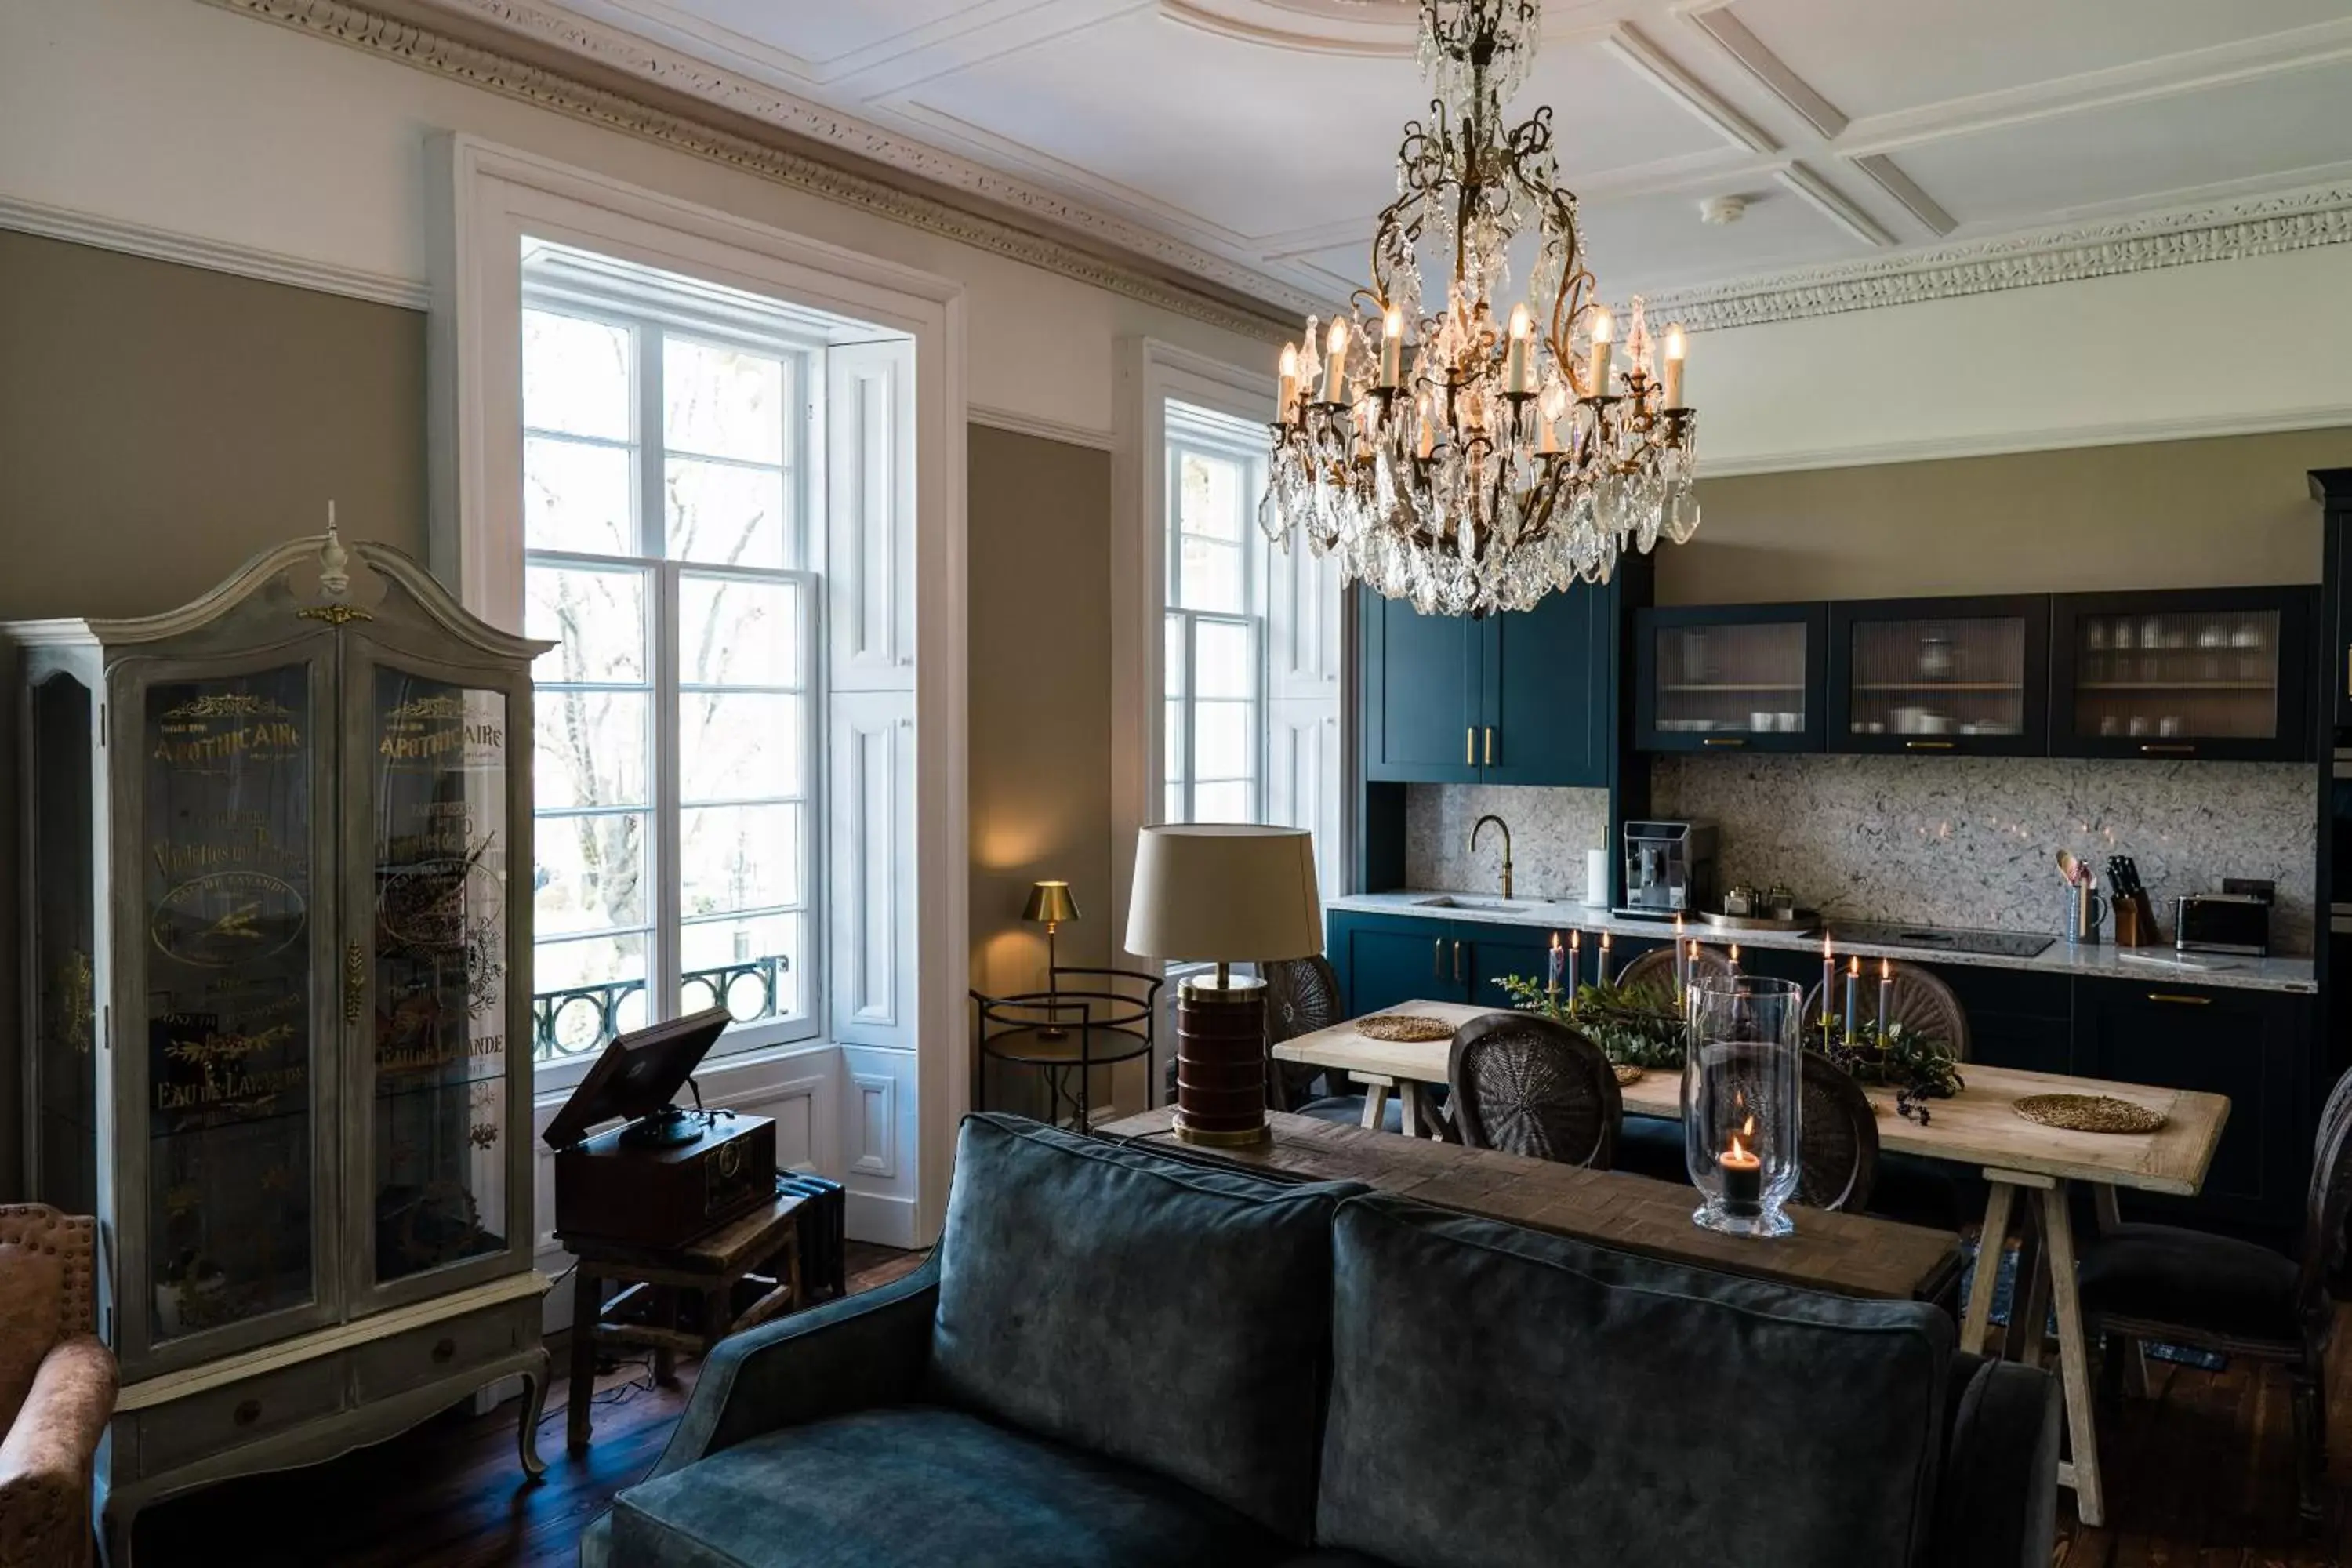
1972 841
1550 831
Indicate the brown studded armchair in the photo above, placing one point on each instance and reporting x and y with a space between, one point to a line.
57 1385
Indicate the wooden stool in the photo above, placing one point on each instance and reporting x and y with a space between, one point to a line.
712 1264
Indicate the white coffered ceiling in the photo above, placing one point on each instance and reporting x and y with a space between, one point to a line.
1255 137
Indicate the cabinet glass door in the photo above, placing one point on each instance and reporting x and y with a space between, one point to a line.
1931 676
63 984
2208 673
1730 679
435 971
228 908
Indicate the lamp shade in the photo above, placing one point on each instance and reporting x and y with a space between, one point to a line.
1225 892
1051 901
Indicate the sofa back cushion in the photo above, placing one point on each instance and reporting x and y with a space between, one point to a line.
1506 1399
1166 1315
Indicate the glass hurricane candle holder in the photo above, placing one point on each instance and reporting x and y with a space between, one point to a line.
1742 1080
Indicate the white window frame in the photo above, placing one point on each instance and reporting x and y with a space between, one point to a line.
1217 438
652 310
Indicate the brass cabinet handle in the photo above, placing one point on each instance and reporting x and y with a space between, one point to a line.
1457 964
1724 741
354 980
2181 999
1928 745
1489 760
1436 956
1470 746
2177 749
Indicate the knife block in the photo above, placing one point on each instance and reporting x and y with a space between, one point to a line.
2135 919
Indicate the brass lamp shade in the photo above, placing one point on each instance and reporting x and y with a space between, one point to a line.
1051 901
1234 893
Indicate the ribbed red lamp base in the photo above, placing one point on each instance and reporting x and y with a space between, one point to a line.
1221 1063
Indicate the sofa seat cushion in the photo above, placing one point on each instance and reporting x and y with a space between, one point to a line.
921 1487
1503 1398
2186 1277
1156 1311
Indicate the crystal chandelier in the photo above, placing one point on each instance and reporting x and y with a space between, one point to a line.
1505 462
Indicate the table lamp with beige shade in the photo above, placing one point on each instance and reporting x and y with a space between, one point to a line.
1228 893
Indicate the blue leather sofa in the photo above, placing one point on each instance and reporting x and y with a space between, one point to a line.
1115 1358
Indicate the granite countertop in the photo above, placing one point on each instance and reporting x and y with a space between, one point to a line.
2099 960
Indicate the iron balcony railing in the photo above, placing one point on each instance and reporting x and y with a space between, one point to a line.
578 1021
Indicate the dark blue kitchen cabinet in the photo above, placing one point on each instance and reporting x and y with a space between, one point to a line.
1495 951
2247 1045
1524 697
2017 1018
1384 959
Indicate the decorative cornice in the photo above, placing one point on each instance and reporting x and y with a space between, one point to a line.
1044 430
244 261
429 49
2267 226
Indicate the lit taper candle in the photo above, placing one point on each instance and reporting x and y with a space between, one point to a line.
1335 362
1598 371
1391 346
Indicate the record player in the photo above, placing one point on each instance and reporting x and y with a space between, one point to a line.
667 1175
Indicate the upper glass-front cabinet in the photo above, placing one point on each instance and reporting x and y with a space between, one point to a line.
1729 678
1939 675
271 945
2207 672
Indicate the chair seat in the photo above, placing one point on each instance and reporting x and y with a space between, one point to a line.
923 1486
1347 1110
2161 1273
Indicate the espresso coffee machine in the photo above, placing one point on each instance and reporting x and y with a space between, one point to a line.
1669 868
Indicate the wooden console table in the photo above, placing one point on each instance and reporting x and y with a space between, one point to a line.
712 1265
1846 1255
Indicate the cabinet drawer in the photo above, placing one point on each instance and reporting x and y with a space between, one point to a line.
436 1350
237 1414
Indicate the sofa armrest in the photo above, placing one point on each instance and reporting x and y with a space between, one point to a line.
1998 1504
44 1460
851 1354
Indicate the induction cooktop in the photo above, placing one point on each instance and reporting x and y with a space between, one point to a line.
1940 939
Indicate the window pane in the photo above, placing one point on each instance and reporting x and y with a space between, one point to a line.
736 633
1173 808
576 498
1224 668
738 857
1221 748
736 962
1171 659
575 376
596 619
1222 802
591 748
740 747
586 991
1210 492
1171 744
724 514
592 873
1212 576
722 402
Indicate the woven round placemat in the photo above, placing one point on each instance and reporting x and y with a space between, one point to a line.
1404 1027
2089 1113
1628 1076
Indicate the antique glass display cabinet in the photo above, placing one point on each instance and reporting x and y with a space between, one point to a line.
277 866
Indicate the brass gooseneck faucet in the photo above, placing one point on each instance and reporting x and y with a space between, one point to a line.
1479 826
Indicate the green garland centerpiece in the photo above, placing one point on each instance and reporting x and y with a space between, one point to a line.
1642 1027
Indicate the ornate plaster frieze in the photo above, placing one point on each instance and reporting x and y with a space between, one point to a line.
2294 221
428 49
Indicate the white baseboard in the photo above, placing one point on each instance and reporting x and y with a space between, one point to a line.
883 1221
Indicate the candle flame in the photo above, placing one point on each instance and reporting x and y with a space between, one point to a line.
1604 941
1675 347
1886 967
1555 941
1738 1149
1825 945
1338 339
1604 327
1853 965
1393 322
1522 324
1576 937
1290 359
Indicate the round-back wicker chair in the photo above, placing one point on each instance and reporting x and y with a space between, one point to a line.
1526 1084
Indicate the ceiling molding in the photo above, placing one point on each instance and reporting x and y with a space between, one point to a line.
211 255
1836 206
2267 226
1731 34
1630 46
1230 297
1882 172
1021 424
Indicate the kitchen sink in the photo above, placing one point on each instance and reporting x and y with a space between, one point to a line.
1492 906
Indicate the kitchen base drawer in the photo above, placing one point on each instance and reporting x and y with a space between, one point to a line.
168 1436
426 1355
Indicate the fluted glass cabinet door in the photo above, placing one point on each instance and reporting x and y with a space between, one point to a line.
62 982
436 867
234 826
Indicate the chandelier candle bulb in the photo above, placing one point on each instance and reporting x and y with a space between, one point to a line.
1391 346
1335 362
1676 350
1599 372
1514 366
1284 408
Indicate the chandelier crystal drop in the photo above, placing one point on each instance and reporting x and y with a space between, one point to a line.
1483 461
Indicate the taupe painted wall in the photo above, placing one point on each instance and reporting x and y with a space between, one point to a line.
2175 514
160 423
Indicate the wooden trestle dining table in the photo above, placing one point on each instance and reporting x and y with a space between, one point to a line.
2029 1169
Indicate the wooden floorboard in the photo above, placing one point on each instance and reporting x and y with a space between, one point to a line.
2200 1475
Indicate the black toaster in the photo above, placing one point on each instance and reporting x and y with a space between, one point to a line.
2237 920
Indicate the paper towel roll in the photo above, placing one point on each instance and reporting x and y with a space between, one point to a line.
1596 878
